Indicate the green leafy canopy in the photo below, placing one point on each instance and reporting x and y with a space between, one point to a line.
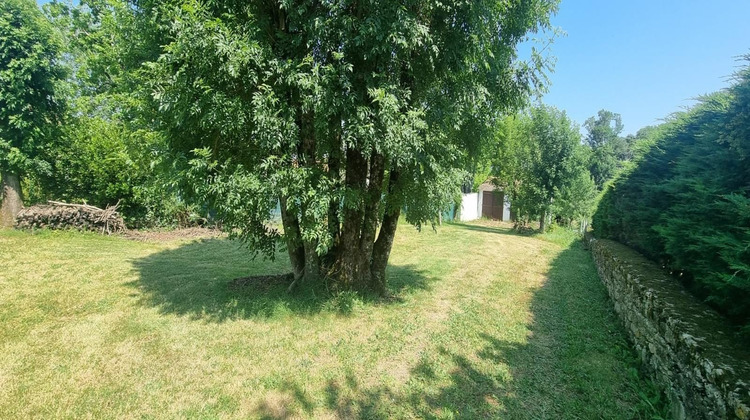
30 109
276 99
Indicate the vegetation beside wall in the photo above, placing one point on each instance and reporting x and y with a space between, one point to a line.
684 346
685 202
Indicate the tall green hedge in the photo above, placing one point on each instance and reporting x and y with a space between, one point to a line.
685 202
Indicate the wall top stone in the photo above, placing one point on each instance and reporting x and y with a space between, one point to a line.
701 348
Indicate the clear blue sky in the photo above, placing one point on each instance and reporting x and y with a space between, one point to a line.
644 59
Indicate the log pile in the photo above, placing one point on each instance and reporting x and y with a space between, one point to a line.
57 215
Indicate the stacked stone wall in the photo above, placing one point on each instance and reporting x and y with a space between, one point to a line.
686 347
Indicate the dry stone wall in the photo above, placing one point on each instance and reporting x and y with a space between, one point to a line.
684 345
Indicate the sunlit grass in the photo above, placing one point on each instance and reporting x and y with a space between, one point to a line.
484 323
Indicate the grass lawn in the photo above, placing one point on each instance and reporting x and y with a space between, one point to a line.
485 324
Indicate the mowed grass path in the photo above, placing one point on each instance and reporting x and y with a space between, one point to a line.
485 324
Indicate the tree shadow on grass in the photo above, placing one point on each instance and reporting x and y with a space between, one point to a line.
574 363
471 393
195 279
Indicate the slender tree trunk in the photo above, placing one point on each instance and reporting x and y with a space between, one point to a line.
12 199
309 160
293 240
348 258
370 225
543 221
382 248
382 251
334 227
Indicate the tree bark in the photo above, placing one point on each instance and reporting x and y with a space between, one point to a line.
312 262
348 258
543 221
382 251
12 199
370 226
309 160
293 240
334 228
382 248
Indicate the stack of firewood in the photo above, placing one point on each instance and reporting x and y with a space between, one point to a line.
57 215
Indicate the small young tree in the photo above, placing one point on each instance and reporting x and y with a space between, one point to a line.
578 195
512 160
537 161
29 109
554 164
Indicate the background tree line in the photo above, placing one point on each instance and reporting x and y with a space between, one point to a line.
550 172
87 135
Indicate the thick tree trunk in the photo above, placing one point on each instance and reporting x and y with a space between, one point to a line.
370 225
312 262
349 255
293 240
12 200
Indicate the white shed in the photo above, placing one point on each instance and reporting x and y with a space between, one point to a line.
489 202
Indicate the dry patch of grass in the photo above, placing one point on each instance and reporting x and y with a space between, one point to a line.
485 324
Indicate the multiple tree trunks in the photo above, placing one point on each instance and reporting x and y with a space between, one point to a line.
57 215
362 229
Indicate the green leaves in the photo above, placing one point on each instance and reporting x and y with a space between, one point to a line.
609 150
30 108
541 164
269 99
686 200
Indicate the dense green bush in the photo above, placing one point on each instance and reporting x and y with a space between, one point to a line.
685 202
103 162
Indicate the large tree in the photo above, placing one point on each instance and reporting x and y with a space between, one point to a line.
345 112
29 109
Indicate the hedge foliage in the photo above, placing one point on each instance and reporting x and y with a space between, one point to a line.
685 201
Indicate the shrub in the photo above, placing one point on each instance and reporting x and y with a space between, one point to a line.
686 201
